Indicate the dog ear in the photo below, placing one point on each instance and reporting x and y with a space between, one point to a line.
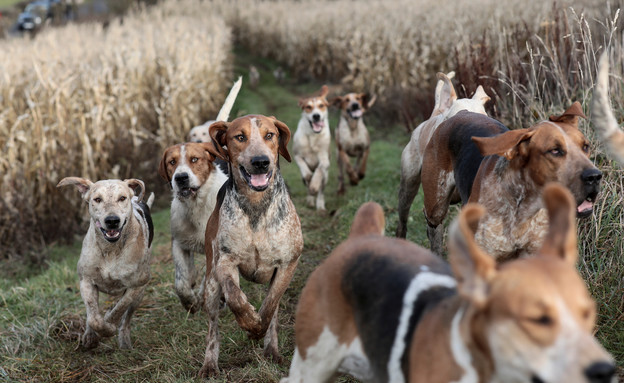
571 115
218 135
301 103
162 167
210 150
472 267
505 144
480 95
324 91
82 184
337 102
561 240
368 101
369 219
284 137
445 92
137 186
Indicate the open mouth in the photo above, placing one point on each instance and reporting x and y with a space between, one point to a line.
317 126
257 182
355 114
110 235
586 207
187 192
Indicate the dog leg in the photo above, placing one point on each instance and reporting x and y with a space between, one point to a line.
271 350
304 169
341 188
95 322
317 183
244 312
212 299
436 236
124 328
185 277
410 182
321 363
362 164
130 296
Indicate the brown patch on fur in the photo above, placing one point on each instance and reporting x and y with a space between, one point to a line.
369 219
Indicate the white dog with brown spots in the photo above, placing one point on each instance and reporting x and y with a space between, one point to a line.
115 254
311 146
446 106
425 321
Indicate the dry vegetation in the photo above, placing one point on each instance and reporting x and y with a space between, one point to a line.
100 103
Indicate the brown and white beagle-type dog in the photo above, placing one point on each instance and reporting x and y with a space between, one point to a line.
311 146
254 230
446 106
386 310
602 116
352 138
115 255
195 176
472 157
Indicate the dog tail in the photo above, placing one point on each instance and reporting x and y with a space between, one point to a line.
150 200
224 113
604 122
369 219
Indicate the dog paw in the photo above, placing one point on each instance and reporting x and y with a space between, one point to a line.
208 370
361 175
310 200
89 340
275 357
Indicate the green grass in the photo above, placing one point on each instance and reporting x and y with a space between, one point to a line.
42 314
8 3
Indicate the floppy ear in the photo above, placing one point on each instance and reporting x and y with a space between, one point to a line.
368 101
337 102
210 150
301 102
324 91
218 135
571 115
284 137
369 219
480 95
82 184
472 267
137 186
445 92
561 238
505 144
162 168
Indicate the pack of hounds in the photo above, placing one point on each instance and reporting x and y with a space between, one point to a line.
508 306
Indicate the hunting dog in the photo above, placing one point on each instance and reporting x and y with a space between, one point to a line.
446 106
604 121
115 254
423 320
195 177
199 133
311 146
352 139
254 230
473 158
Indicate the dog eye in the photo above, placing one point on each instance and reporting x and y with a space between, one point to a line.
241 138
194 159
172 162
269 136
122 198
557 152
586 148
97 200
543 320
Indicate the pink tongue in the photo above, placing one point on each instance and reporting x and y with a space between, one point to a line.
258 180
586 205
356 113
318 126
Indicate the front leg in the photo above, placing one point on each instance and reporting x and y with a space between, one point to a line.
304 169
212 301
96 325
228 277
124 328
271 350
340 156
185 277
353 177
362 163
132 296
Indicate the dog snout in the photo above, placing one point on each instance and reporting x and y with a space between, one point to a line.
181 179
112 222
316 117
355 106
600 372
591 177
261 163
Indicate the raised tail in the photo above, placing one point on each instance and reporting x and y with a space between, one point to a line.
224 113
369 219
150 200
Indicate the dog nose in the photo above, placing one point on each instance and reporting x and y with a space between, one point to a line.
591 176
181 178
316 117
261 163
600 372
355 106
112 221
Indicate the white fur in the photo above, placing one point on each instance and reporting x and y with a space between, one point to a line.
421 282
461 353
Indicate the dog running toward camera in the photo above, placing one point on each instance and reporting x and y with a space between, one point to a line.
254 231
311 146
352 138
425 321
446 106
115 254
473 158
195 177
